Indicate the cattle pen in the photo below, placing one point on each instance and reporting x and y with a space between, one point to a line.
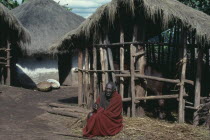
136 34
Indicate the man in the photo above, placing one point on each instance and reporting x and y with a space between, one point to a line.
106 118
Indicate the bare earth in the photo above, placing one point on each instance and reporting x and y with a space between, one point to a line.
23 117
22 114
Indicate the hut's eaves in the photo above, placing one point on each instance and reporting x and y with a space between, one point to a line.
10 24
171 11
47 22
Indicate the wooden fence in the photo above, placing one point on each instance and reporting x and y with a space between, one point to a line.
89 75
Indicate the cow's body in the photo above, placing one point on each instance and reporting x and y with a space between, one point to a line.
151 86
155 88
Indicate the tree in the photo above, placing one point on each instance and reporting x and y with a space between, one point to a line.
67 8
24 1
202 5
10 4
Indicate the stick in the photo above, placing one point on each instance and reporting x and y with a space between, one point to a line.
75 122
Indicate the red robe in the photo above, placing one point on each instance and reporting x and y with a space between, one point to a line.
105 122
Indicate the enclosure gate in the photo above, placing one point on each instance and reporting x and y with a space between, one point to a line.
90 93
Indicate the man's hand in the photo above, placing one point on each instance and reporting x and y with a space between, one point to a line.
95 107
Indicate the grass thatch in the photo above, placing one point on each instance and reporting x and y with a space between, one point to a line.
46 21
163 12
12 28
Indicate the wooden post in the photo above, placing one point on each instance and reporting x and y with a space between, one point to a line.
110 56
132 79
122 61
162 51
95 90
206 71
106 62
8 78
198 84
169 51
173 60
132 69
193 53
102 66
86 94
183 75
80 80
159 50
178 40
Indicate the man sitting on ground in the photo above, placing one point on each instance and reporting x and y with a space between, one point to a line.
106 118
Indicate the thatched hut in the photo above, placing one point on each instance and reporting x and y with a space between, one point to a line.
161 33
46 21
13 36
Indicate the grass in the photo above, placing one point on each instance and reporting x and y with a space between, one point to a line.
152 129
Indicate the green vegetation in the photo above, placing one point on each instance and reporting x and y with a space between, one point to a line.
67 8
10 4
202 5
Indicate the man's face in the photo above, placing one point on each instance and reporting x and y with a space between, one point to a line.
109 90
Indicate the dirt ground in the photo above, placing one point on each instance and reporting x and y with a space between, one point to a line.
23 116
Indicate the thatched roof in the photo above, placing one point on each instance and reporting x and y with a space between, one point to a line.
164 13
11 29
47 22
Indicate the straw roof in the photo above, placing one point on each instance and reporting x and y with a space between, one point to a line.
164 13
46 21
11 29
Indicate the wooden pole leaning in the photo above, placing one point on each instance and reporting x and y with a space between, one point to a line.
110 57
181 118
141 61
132 70
80 77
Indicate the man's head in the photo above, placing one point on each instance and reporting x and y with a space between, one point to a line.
110 89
